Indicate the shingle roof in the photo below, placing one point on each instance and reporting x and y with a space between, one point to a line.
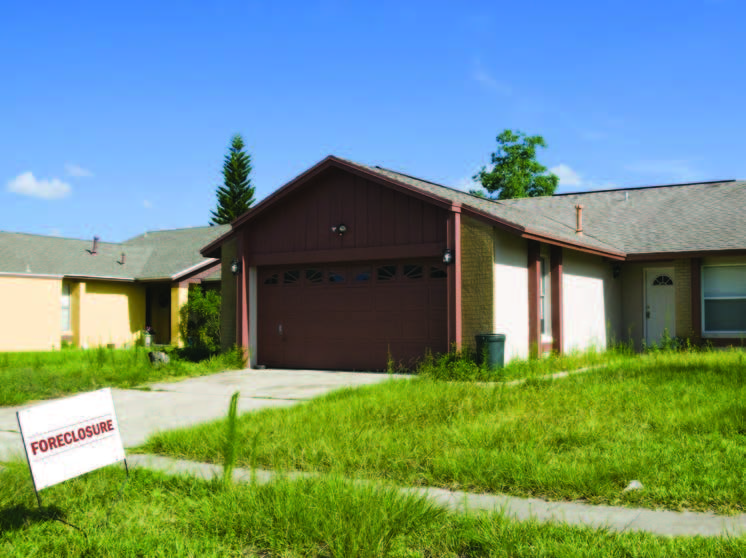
677 218
157 254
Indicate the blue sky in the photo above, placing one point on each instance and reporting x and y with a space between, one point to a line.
115 117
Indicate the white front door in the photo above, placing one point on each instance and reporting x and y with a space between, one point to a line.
660 304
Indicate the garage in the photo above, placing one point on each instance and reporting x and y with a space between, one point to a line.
352 316
345 267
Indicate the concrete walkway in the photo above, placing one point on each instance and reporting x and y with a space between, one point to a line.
170 405
615 518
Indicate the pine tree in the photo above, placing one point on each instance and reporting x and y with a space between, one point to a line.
236 195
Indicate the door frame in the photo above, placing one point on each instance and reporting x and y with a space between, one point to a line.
670 271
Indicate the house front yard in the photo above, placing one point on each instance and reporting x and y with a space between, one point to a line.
164 516
45 375
674 421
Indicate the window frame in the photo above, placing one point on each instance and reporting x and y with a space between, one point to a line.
66 296
703 298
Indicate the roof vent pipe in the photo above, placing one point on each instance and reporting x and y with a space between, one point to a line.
94 250
122 260
579 226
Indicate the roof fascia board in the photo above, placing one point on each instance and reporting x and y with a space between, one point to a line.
102 278
647 256
30 275
195 267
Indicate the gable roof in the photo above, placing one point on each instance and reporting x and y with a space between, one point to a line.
621 223
153 255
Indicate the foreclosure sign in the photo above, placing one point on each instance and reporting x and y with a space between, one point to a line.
70 437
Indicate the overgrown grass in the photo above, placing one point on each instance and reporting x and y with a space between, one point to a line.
174 517
675 422
45 375
461 365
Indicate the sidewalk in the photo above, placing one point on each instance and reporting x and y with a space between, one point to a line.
615 518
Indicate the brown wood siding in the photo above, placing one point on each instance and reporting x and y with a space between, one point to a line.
376 218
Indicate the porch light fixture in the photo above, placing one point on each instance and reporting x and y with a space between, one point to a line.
340 229
235 267
448 256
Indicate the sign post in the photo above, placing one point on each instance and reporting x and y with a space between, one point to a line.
70 437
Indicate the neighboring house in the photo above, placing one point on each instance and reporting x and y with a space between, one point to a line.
348 265
98 293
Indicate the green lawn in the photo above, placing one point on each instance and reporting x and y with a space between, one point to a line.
161 516
675 422
45 375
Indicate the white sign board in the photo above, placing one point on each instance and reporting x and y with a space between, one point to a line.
70 437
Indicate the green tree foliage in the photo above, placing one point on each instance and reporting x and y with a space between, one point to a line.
236 195
516 173
199 323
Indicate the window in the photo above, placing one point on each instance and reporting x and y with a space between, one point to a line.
386 273
337 277
412 271
65 304
438 272
315 276
724 299
362 275
291 277
543 296
662 280
273 279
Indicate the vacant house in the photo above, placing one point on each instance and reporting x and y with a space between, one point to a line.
348 265
98 293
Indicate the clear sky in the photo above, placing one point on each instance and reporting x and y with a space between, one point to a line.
115 116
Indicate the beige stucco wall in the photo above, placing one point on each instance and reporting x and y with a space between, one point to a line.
682 284
106 312
511 293
228 296
179 297
592 314
30 314
477 279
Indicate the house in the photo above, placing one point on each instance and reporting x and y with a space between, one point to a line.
349 265
96 293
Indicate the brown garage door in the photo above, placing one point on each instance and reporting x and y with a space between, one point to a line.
351 316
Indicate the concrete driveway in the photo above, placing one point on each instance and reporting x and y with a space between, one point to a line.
172 405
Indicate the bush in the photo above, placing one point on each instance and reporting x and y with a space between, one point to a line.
199 324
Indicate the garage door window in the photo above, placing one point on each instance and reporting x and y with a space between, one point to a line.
437 272
337 277
315 276
272 279
291 277
362 275
412 271
386 273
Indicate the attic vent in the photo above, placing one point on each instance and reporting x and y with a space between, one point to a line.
579 225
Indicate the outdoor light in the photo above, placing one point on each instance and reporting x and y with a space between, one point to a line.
340 229
448 256
235 267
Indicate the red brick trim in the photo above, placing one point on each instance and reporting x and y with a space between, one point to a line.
534 299
555 264
696 281
454 282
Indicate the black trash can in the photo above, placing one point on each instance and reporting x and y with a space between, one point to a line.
491 350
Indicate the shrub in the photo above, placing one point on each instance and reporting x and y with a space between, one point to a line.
199 324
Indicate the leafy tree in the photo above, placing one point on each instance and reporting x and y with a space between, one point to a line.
516 172
236 195
199 323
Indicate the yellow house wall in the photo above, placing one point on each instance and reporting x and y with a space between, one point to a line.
29 314
107 312
477 280
179 297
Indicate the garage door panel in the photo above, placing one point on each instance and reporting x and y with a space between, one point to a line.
350 316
